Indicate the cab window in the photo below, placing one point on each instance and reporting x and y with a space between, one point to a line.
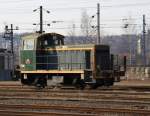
28 44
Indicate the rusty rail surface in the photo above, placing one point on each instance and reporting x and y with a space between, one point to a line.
103 91
137 102
80 111
138 96
27 113
115 87
100 103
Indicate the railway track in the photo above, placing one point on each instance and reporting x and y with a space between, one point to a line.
125 95
115 87
27 113
107 91
79 102
76 95
68 101
116 90
54 110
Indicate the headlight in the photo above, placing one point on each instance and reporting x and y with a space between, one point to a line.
22 65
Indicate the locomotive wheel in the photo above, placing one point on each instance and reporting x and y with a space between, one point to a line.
80 84
94 86
108 82
99 82
41 83
24 81
27 81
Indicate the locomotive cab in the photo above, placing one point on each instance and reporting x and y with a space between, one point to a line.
27 57
34 46
49 40
28 52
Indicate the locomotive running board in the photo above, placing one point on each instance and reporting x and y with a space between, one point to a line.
54 71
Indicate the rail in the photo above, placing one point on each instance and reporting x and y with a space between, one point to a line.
59 110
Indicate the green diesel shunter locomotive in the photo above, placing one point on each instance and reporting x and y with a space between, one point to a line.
45 56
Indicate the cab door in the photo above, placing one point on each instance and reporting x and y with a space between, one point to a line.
28 55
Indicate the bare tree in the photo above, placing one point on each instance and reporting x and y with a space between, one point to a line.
130 29
72 32
87 29
85 23
87 34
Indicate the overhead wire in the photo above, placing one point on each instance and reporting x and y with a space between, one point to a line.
88 7
128 5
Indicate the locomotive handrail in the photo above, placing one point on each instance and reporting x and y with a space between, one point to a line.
56 63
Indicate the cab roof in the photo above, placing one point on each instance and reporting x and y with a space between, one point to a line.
36 35
45 35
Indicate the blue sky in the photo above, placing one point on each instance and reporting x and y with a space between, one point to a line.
20 13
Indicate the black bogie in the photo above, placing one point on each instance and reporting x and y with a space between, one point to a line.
39 81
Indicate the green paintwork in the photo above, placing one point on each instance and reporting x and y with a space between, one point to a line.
31 55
